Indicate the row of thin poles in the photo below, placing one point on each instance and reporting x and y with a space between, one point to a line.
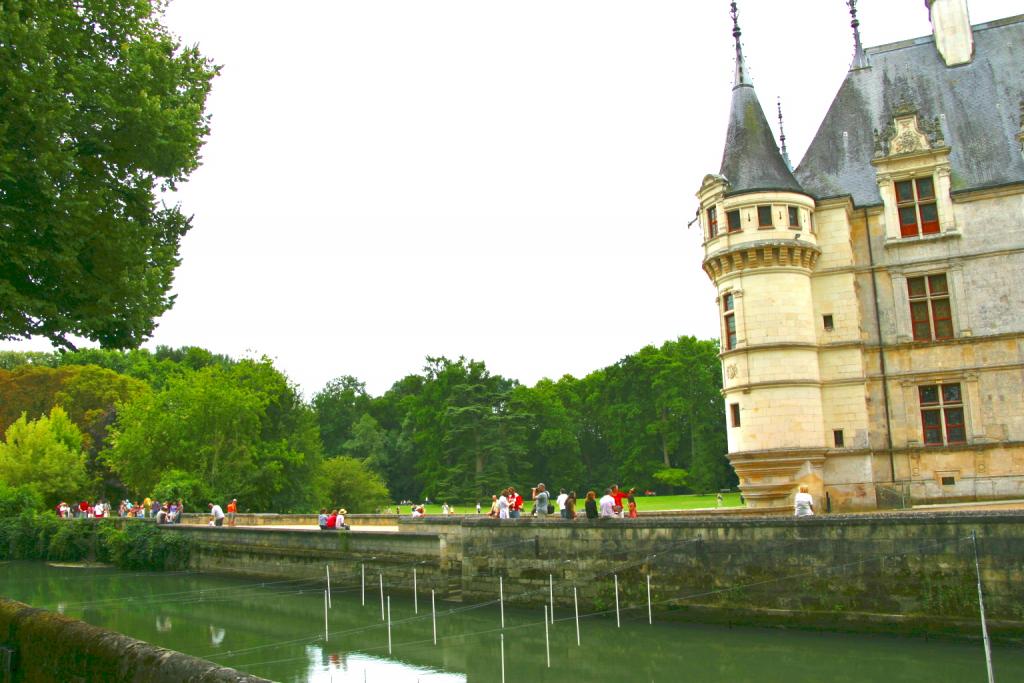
549 609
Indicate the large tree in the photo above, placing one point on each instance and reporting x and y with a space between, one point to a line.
45 454
101 109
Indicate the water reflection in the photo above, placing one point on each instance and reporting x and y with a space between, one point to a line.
276 631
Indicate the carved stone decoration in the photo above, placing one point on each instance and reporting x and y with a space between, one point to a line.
908 137
730 371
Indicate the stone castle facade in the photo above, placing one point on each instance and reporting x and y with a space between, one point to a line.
872 300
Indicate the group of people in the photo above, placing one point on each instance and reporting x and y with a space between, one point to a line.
335 519
508 504
168 512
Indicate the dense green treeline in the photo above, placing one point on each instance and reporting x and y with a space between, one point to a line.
188 423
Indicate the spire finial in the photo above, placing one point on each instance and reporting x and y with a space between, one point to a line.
741 67
860 58
782 137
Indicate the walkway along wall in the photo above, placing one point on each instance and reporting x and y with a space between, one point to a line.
905 572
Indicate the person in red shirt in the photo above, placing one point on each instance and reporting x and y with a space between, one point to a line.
618 495
515 508
232 511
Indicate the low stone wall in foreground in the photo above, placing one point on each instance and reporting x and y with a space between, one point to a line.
37 646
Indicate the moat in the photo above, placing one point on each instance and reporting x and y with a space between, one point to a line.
275 629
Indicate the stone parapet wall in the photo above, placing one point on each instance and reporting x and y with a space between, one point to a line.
905 571
274 519
44 647
296 554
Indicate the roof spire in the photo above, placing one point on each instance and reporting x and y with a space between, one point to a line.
782 137
860 58
741 66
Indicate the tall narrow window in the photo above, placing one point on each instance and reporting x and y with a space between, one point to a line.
930 312
734 220
729 321
942 414
794 218
712 222
915 201
764 216
734 412
837 435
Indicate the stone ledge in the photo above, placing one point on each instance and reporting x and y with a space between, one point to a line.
52 647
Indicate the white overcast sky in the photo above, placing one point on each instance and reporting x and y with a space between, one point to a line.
509 181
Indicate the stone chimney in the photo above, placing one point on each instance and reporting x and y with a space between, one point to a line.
952 29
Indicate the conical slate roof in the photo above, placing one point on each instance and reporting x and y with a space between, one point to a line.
751 161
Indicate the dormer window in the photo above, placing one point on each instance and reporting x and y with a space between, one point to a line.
734 220
764 216
915 201
794 218
712 215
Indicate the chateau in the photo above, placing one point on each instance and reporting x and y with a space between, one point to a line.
871 300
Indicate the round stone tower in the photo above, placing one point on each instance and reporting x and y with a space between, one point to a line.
760 249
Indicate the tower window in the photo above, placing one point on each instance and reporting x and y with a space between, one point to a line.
764 216
915 202
712 214
734 220
930 312
734 412
729 321
942 414
837 435
828 322
794 218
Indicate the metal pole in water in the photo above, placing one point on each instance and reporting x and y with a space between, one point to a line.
551 593
650 620
502 658
329 586
981 609
362 582
389 624
576 608
381 596
326 630
415 595
547 639
501 601
433 614
618 624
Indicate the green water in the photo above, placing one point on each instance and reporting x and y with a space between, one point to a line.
276 630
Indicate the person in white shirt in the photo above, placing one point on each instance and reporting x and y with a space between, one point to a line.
560 502
216 514
803 503
502 506
444 509
606 505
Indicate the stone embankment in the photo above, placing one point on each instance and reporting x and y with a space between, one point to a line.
40 646
902 572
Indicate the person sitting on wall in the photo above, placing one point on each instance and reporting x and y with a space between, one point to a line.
339 523
803 503
321 519
607 506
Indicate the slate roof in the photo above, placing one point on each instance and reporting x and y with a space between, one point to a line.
752 161
980 105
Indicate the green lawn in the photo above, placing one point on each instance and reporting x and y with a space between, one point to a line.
643 503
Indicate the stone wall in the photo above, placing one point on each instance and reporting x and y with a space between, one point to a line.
907 571
40 646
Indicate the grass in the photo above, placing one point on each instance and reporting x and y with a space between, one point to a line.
643 503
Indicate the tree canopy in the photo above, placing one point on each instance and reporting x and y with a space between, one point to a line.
101 109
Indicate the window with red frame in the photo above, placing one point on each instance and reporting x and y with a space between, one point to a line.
729 321
712 214
942 414
930 313
915 202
